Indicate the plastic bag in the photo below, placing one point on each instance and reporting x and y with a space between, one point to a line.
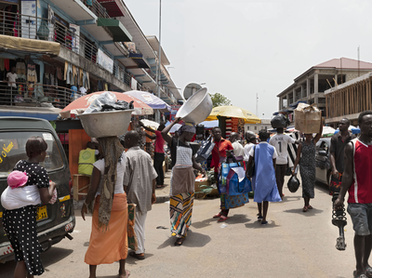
205 150
279 121
108 102
293 184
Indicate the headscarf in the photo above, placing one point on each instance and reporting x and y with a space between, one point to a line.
112 151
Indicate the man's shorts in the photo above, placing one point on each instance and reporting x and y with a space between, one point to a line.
361 216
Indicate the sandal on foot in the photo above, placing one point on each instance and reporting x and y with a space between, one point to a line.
259 217
222 218
127 273
218 215
305 208
309 207
137 256
179 241
264 222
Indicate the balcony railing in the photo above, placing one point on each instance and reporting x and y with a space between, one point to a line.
35 95
19 25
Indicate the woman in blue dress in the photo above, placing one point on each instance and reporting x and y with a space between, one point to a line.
263 177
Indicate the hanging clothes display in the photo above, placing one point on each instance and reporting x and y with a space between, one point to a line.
31 78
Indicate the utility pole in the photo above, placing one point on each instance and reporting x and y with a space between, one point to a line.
257 104
158 73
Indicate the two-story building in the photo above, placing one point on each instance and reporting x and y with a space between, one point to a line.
53 50
309 87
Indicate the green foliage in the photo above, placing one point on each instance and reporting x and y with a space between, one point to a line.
220 100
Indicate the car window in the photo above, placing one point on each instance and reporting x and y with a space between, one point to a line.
12 149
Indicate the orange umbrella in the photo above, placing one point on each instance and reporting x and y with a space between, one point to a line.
82 103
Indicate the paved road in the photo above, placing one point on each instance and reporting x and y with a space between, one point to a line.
293 244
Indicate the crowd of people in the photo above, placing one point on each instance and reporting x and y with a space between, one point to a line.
126 174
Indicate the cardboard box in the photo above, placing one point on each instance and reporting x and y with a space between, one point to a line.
307 118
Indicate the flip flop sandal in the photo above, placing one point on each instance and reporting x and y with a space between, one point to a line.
259 217
179 241
264 222
310 207
305 209
222 218
218 215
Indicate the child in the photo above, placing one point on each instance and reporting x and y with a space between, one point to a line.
17 195
21 222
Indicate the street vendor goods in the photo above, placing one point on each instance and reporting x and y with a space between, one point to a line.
307 118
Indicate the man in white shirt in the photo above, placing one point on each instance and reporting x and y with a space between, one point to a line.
238 149
280 142
12 78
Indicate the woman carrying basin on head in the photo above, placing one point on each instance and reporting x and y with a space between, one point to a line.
182 179
106 199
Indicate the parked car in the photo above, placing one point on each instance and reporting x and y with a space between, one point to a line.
54 222
323 164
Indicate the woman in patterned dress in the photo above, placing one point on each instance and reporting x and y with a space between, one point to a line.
306 158
182 179
20 224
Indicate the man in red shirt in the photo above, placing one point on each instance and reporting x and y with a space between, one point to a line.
357 180
158 152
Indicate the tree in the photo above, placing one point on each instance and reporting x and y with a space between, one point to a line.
220 100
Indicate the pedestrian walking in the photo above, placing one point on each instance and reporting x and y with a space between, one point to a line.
263 178
357 182
182 179
219 155
251 140
336 156
306 157
238 149
106 200
280 141
140 184
159 154
20 223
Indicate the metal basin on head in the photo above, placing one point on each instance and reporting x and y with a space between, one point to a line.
106 124
197 108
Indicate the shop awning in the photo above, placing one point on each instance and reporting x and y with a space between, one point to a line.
46 113
112 7
117 29
150 99
139 60
29 45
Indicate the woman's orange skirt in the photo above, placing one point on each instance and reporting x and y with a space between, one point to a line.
106 247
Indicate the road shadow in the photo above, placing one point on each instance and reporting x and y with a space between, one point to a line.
193 239
236 219
203 224
310 212
50 257
288 198
133 261
258 225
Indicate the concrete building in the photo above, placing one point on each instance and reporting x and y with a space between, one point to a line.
309 87
265 123
60 46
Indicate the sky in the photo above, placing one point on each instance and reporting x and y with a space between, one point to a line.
245 48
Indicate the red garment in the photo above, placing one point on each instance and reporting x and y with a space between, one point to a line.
159 143
218 152
361 189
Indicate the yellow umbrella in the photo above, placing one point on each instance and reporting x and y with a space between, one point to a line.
233 112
